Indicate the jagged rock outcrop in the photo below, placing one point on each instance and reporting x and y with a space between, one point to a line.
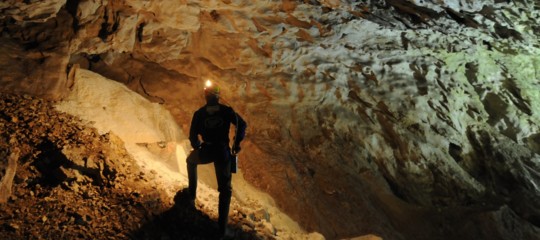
365 117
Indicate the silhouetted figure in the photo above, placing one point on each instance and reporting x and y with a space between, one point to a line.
212 123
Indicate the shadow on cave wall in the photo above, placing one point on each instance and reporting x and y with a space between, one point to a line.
182 221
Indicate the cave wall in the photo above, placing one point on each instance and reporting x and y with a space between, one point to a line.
365 117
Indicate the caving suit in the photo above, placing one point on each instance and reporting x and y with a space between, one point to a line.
212 123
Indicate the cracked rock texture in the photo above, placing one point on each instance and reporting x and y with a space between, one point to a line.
404 119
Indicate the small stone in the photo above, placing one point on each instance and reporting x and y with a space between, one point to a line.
75 187
48 199
262 214
249 224
267 228
13 226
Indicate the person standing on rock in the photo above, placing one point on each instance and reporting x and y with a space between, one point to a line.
212 123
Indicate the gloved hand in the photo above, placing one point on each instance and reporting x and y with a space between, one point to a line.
236 149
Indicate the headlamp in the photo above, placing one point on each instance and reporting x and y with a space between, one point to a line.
210 88
208 84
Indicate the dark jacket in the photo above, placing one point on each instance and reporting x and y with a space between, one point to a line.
213 123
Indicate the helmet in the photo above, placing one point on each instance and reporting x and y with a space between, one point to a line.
214 90
211 92
210 88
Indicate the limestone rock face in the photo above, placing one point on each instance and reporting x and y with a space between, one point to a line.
30 11
34 50
406 119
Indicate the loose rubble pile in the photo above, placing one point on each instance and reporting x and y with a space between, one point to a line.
72 183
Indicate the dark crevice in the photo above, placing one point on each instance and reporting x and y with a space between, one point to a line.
419 74
395 189
495 106
93 59
31 45
516 97
161 100
140 29
471 73
215 15
405 41
455 151
103 32
116 23
404 22
489 13
417 14
106 28
462 18
507 33
71 7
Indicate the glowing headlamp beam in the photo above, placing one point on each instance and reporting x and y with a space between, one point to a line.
208 84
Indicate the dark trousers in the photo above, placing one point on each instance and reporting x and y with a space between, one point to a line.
221 157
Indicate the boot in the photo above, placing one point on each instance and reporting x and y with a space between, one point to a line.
192 179
223 211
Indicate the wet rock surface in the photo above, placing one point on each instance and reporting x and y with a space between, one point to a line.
72 183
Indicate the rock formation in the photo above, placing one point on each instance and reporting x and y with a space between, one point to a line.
405 119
